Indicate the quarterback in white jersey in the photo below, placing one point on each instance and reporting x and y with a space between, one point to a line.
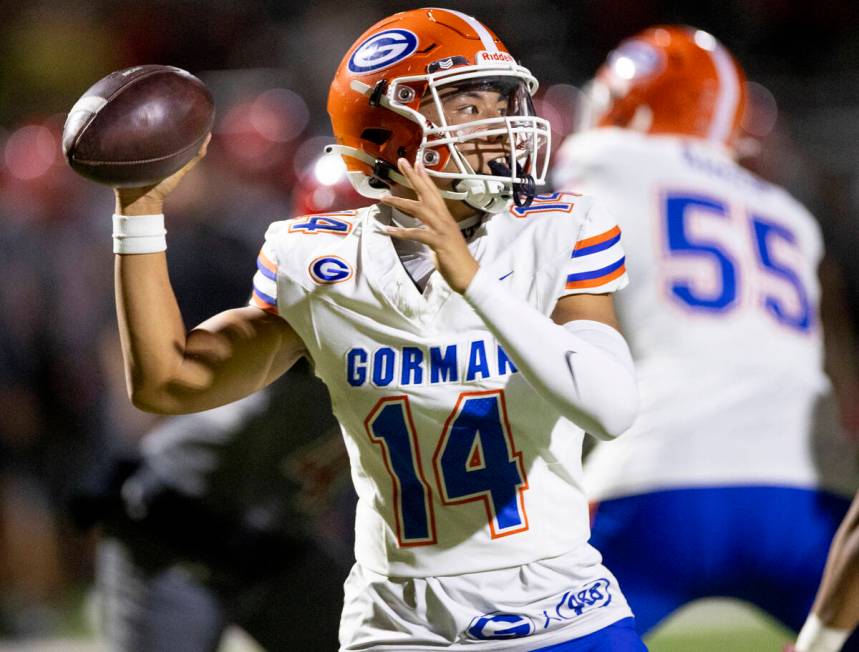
722 315
465 329
433 411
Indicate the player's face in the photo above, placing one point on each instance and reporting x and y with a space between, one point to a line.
464 105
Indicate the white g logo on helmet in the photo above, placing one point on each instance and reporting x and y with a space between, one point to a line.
382 50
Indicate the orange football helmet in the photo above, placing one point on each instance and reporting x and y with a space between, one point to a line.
671 80
402 63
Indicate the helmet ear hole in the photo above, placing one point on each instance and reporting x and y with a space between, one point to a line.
431 158
404 94
376 136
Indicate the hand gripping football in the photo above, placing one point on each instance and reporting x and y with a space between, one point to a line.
137 126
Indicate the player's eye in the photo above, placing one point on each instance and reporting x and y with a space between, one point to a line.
466 109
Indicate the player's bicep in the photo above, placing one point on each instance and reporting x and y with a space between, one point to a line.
229 356
592 307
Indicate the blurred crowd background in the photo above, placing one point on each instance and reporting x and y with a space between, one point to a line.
268 63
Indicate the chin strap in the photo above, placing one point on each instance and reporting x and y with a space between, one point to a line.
361 181
487 196
523 192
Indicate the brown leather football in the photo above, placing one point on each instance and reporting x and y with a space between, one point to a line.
137 126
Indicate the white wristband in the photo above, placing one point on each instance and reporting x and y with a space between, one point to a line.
816 637
139 234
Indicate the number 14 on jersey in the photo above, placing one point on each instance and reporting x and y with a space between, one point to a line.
475 460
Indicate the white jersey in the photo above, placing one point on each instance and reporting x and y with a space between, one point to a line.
721 315
459 465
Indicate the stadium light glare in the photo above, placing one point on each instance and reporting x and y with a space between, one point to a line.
329 169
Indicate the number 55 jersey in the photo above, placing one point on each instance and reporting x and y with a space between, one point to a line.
721 316
459 465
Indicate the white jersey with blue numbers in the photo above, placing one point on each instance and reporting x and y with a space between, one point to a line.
459 465
721 315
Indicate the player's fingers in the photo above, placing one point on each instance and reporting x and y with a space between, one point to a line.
166 185
419 235
197 158
430 207
201 153
432 193
418 183
407 206
431 198
185 169
204 147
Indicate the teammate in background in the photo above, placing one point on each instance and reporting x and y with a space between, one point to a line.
465 348
714 491
835 613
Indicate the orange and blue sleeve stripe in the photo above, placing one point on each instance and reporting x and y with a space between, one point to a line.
266 267
597 277
597 243
265 284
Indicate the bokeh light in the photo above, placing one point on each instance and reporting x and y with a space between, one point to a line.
307 153
30 152
329 169
279 114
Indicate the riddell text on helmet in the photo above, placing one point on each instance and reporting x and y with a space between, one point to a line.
494 57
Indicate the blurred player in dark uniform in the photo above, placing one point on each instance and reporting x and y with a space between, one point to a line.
239 515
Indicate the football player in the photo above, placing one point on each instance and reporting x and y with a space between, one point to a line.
714 491
464 328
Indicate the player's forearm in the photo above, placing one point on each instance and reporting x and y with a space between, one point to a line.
837 602
590 385
150 325
835 613
169 371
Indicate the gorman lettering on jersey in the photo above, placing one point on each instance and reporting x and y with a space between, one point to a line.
414 365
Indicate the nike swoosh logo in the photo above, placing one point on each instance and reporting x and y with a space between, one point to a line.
501 278
569 356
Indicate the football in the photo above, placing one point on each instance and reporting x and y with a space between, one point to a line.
137 126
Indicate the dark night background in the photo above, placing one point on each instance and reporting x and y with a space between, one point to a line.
62 403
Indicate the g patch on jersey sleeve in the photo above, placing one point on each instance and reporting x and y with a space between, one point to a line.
597 263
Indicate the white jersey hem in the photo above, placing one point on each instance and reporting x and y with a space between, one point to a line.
510 645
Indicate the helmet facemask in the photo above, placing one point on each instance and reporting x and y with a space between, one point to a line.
490 159
513 146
